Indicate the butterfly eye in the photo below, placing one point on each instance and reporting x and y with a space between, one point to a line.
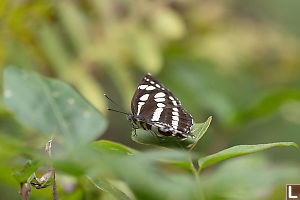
129 117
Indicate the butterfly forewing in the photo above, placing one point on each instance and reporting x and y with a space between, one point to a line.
157 106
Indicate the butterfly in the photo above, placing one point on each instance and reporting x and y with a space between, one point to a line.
155 108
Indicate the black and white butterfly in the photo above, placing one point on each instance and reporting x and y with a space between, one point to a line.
155 108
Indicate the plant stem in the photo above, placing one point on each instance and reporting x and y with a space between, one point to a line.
197 177
48 149
195 171
54 190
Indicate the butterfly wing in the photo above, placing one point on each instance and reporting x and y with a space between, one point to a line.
160 108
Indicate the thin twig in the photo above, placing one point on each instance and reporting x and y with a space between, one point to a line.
54 190
48 149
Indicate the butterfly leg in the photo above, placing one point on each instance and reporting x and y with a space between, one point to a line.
133 129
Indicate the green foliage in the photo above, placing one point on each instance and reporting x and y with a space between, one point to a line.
109 147
51 106
119 172
236 61
107 187
29 168
248 176
238 151
268 104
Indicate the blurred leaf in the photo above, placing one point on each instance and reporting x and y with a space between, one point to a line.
86 85
107 187
147 137
237 151
249 177
109 147
168 23
122 77
29 168
51 106
71 167
201 77
182 164
75 24
74 195
164 154
52 45
10 146
174 157
146 52
267 104
147 181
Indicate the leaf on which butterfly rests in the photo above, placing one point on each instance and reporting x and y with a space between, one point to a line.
150 138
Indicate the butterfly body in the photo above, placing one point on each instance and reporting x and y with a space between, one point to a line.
156 109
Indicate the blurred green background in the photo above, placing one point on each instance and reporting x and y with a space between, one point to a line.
235 60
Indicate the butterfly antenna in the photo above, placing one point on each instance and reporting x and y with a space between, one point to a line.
117 111
118 105
112 101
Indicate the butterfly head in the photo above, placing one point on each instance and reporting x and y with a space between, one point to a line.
135 118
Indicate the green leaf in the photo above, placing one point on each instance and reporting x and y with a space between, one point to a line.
109 147
200 130
247 177
146 51
147 137
75 25
29 168
107 187
237 151
167 23
69 166
51 106
267 104
52 45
